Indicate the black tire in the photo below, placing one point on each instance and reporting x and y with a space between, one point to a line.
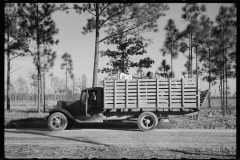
57 121
147 121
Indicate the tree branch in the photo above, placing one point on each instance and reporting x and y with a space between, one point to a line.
14 57
117 34
104 8
15 70
111 17
91 12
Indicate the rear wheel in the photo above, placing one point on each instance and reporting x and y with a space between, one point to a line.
57 121
147 121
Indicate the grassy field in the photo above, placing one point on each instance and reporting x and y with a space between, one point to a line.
24 115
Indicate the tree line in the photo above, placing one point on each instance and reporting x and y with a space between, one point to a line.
211 43
26 89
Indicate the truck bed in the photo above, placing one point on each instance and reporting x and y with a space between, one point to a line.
172 93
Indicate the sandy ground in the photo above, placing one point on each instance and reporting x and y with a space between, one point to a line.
120 143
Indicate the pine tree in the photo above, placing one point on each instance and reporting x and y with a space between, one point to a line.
117 19
120 60
41 29
15 40
225 33
171 42
191 11
164 66
68 66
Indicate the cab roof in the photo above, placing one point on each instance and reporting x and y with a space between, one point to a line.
93 88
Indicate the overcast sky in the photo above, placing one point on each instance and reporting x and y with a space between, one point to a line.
81 47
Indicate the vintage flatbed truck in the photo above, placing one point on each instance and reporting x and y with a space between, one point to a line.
145 100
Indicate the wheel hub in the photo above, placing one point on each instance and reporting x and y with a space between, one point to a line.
147 122
57 122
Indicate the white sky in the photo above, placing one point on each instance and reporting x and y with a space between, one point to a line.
81 47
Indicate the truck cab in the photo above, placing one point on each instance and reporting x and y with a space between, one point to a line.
88 109
92 101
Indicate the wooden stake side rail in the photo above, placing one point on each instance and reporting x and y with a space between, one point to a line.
151 93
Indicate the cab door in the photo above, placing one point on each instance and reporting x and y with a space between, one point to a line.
89 109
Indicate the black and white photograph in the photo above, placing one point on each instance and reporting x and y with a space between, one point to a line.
120 80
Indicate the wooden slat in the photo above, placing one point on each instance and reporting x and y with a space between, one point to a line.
146 80
190 90
157 93
198 93
126 93
169 92
189 93
104 83
147 83
152 106
114 100
147 87
182 85
138 94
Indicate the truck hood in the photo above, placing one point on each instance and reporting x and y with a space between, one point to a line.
73 107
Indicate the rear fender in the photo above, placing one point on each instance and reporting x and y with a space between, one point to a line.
65 112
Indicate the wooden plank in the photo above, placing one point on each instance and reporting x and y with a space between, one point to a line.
175 90
193 97
198 93
182 85
187 90
146 80
152 106
114 100
169 92
138 99
189 93
176 97
192 101
147 83
126 98
147 87
104 83
157 82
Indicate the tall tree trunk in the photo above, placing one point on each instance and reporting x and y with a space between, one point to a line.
38 66
171 66
66 83
8 75
96 56
226 85
224 107
191 56
209 80
44 107
35 96
196 64
189 69
220 91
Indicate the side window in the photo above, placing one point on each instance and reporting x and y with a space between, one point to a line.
84 97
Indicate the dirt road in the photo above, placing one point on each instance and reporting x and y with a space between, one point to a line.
108 143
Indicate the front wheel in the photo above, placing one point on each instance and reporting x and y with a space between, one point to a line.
147 121
57 121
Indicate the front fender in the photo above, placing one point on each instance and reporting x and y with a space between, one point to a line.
51 111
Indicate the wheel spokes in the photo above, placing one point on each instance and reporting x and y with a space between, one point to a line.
57 122
147 121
